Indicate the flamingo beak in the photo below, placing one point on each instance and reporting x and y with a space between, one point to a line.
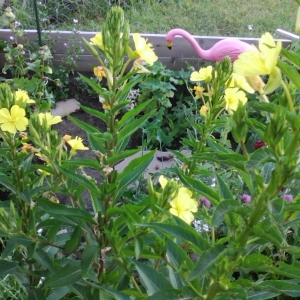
169 45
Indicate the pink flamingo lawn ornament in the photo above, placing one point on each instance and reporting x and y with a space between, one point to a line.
227 47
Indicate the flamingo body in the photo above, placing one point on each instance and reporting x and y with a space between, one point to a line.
227 47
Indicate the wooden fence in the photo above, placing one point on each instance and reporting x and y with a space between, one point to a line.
176 58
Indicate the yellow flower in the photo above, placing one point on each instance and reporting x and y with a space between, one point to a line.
198 91
14 120
204 110
240 81
232 97
205 74
46 119
99 72
183 205
98 41
261 62
107 170
76 144
28 147
22 97
143 50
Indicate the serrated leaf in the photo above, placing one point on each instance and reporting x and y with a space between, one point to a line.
205 261
69 274
152 280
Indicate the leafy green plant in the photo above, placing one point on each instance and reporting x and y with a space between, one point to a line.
221 223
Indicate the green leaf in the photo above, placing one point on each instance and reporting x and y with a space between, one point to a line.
185 234
96 142
84 126
133 126
36 294
42 258
291 56
7 267
152 280
88 257
96 87
69 274
286 270
259 157
95 113
59 209
58 293
90 185
220 211
199 186
224 189
261 295
132 113
173 294
176 255
133 171
7 182
83 162
205 261
291 72
282 286
72 243
257 262
118 157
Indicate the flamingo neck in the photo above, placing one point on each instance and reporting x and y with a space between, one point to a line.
199 51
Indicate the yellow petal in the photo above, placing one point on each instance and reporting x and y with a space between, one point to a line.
187 217
17 112
4 115
163 181
274 81
9 126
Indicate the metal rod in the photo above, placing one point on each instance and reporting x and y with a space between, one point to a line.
38 28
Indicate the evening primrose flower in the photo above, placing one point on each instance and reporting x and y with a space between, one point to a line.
198 91
22 97
204 74
143 50
240 81
99 72
13 120
183 205
204 110
97 40
232 97
261 62
76 144
46 119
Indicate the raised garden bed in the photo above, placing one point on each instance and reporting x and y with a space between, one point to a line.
175 59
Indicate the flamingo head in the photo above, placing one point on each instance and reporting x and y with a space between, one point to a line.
169 44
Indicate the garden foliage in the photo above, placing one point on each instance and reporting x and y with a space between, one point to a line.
222 223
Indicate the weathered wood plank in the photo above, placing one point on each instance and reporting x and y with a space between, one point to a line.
181 51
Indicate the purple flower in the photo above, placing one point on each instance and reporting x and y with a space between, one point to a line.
204 201
194 256
246 198
288 198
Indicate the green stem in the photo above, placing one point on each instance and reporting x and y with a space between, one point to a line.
288 96
245 150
